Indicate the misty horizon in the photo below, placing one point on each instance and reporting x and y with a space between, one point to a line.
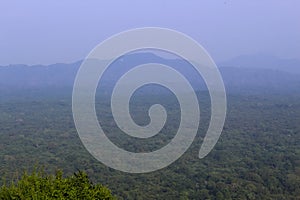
34 33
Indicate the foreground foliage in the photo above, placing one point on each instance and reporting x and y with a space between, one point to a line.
38 185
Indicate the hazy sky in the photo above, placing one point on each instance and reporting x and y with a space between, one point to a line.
44 32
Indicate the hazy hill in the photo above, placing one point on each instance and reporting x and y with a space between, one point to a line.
260 61
245 73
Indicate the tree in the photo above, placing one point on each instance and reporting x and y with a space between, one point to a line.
38 185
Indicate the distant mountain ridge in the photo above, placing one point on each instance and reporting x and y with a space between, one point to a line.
263 62
244 73
38 76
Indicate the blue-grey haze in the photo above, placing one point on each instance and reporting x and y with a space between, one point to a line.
45 32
